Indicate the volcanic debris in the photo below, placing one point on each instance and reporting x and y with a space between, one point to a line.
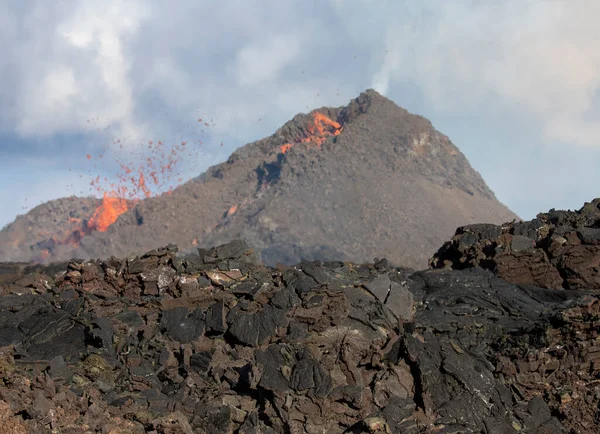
216 342
557 249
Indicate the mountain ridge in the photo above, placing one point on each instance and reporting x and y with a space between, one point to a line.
328 182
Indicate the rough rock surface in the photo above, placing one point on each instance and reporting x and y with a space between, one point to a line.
558 249
216 342
385 183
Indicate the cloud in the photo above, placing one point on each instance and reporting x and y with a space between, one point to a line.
264 60
539 58
141 70
73 65
78 60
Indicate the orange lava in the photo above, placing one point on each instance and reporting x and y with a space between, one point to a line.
286 147
145 170
232 210
319 130
142 185
153 173
107 213
320 122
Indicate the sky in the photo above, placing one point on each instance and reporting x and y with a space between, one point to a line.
513 83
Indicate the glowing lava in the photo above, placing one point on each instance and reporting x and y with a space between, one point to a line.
154 173
285 148
319 130
231 211
107 213
134 172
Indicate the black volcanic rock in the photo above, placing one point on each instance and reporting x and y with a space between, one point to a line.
351 183
320 347
557 249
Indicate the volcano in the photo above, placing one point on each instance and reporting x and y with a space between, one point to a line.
368 180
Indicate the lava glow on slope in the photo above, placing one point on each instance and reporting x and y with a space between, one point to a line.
319 130
154 172
107 213
131 186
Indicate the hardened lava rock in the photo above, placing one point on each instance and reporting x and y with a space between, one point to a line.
216 342
558 249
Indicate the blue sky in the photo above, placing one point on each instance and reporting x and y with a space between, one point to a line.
513 83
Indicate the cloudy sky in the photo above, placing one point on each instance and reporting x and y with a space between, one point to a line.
513 83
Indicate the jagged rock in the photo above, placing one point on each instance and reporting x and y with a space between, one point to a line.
183 326
322 347
256 328
393 295
558 249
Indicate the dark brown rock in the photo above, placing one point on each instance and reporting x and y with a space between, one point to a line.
558 249
322 347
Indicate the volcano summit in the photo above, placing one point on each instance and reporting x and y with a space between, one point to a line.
352 183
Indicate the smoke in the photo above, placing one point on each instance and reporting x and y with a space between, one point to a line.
72 65
538 58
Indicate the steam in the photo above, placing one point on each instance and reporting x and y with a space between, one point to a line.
539 58
83 70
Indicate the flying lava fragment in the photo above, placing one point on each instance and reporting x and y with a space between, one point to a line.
155 172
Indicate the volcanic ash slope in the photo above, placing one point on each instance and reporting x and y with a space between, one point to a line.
352 183
388 185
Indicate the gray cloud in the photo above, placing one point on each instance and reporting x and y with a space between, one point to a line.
72 64
541 58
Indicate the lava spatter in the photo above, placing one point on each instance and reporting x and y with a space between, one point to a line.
152 175
107 213
319 129
149 170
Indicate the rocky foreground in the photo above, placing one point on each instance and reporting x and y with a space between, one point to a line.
218 343
558 249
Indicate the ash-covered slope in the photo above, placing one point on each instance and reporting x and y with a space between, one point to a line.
357 182
388 185
47 231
